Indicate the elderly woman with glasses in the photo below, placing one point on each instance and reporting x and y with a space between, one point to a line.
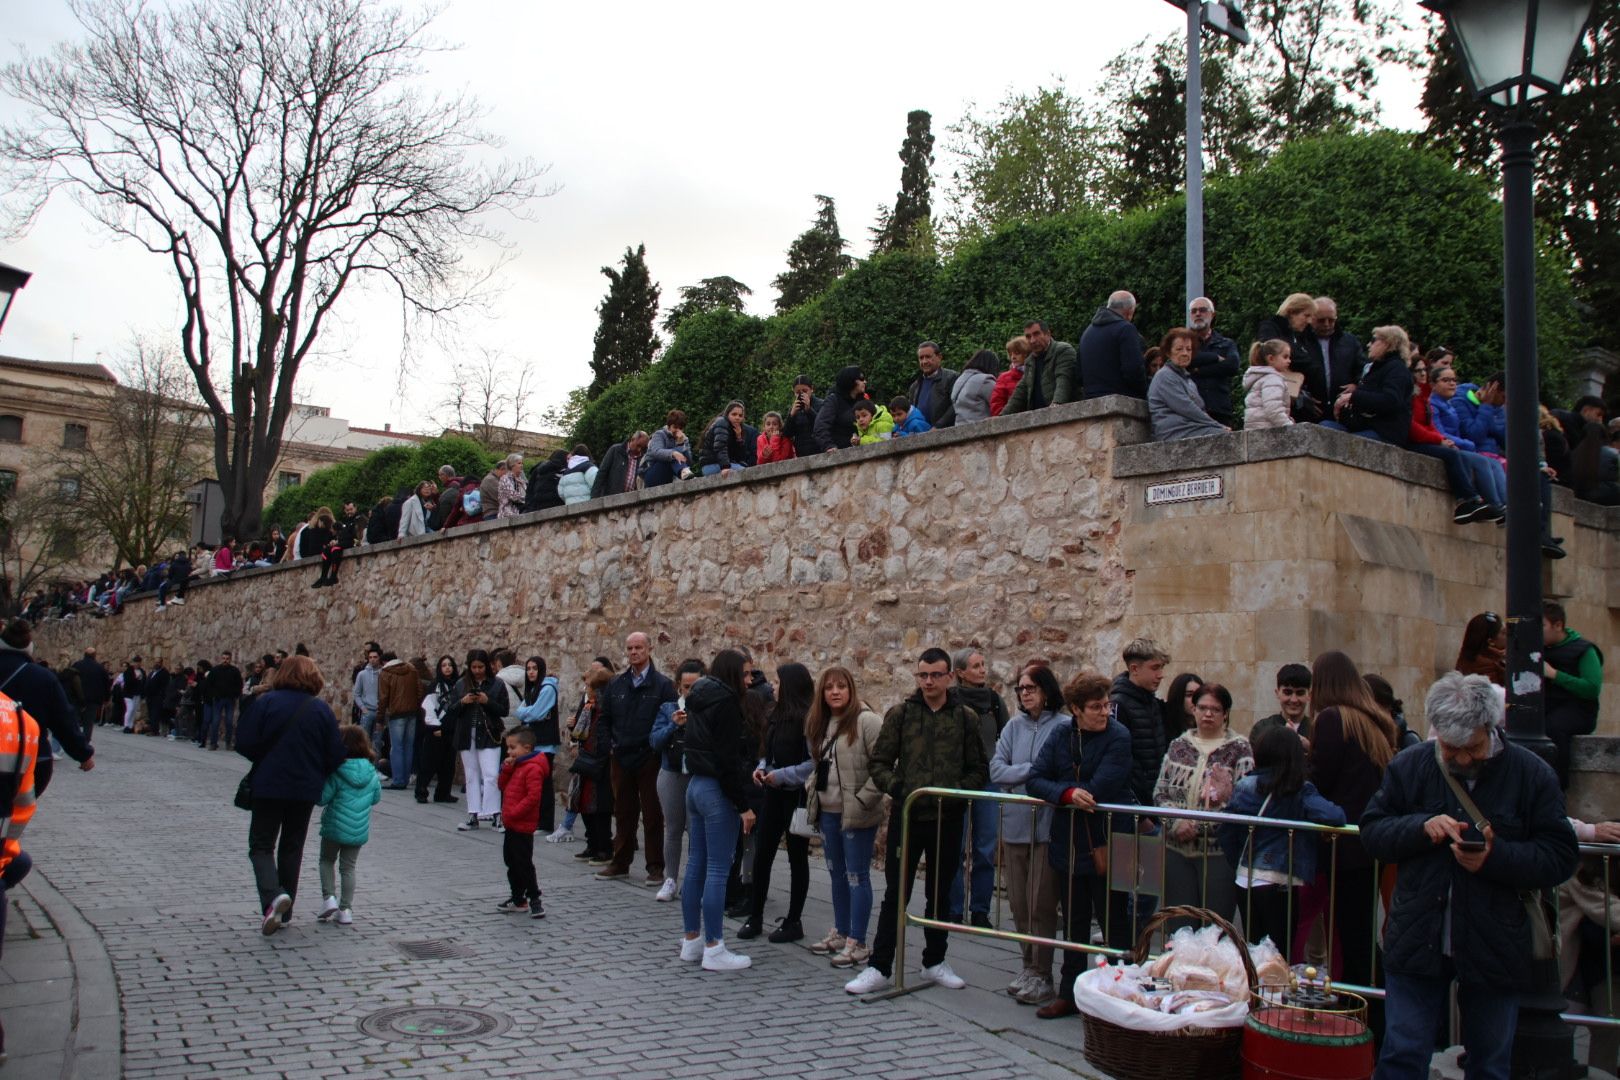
1199 771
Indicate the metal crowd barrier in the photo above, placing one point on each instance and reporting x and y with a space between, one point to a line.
1133 857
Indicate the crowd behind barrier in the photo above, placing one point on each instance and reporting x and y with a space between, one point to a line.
1075 813
1302 367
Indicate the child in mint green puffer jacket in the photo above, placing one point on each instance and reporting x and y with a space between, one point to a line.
348 797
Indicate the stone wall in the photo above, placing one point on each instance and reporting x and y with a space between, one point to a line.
1028 535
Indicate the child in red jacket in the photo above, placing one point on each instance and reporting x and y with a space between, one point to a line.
522 782
772 445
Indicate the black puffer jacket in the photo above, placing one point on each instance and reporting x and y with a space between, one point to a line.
717 743
835 422
541 494
1382 401
722 446
1302 358
1111 358
1143 716
800 426
1535 848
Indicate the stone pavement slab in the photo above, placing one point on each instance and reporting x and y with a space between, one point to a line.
147 853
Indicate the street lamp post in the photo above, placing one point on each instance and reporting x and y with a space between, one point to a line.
1516 52
11 279
1224 18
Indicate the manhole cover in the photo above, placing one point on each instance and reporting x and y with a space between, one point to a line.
433 1023
436 949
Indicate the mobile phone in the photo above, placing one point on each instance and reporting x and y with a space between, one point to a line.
1471 846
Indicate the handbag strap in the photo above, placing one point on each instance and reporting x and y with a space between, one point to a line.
1468 804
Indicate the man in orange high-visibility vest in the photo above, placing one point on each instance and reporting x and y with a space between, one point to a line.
19 748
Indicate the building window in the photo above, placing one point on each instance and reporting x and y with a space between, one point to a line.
75 437
8 482
10 428
64 545
69 487
288 480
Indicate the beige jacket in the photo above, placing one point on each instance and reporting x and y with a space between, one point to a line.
849 779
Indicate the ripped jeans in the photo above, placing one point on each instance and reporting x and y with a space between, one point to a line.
849 864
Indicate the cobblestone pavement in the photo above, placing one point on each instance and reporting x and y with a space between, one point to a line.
150 851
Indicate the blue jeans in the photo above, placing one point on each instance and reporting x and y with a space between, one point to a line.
986 829
714 470
400 749
713 824
1459 474
1490 477
207 724
849 865
1415 1008
222 719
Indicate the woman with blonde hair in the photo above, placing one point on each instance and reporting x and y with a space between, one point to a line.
1353 740
844 801
1292 324
1378 405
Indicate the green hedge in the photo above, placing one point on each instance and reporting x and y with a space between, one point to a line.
381 472
1394 233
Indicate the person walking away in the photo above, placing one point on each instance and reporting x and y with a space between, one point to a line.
347 798
95 684
39 693
399 698
19 750
929 740
291 737
479 708
718 756
669 740
1476 827
525 778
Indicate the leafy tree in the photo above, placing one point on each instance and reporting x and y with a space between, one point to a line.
816 259
564 416
1578 163
1034 156
899 229
272 153
710 294
133 472
382 472
625 340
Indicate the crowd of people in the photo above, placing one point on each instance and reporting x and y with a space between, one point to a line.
1303 367
717 763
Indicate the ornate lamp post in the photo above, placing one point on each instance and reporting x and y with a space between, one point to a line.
1515 53
11 279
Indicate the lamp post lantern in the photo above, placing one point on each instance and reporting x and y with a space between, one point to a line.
1516 53
1224 18
11 280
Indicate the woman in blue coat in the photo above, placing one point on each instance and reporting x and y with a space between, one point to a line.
1075 769
291 737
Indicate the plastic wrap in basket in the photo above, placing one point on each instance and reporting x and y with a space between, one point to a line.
1205 1053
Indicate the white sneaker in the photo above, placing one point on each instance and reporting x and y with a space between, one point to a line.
1017 986
692 949
560 836
272 915
942 974
667 892
179 600
328 909
345 917
869 981
720 958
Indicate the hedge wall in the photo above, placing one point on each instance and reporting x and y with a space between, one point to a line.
381 472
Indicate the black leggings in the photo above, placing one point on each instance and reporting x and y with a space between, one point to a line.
1269 911
276 846
779 806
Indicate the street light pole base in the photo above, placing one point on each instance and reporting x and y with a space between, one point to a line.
1543 1044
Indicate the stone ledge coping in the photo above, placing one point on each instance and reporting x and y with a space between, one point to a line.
1129 414
1324 444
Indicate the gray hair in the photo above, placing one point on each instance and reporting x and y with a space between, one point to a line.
514 459
1460 706
962 657
447 470
1121 301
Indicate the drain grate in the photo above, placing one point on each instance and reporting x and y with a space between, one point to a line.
433 1023
433 949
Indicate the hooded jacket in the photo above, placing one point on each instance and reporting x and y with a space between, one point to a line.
991 709
1265 400
523 784
669 738
881 427
918 747
800 426
835 422
717 743
1110 358
658 464
1006 383
1447 421
366 683
541 714
1176 409
721 447
512 677
1010 766
1484 424
574 484
1049 375
399 690
292 740
348 796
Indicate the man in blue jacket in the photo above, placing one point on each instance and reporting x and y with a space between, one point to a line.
1476 826
1215 361
37 689
1111 352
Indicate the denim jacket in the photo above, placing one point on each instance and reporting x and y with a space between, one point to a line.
1271 847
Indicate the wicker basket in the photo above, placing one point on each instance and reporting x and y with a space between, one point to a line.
1202 1053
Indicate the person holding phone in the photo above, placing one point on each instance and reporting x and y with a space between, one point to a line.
669 740
800 422
478 707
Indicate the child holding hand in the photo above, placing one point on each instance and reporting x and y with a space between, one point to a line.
348 796
522 781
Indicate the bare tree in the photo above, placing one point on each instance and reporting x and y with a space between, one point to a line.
274 153
489 399
133 472
39 538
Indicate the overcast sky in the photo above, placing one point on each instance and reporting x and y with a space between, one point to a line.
702 130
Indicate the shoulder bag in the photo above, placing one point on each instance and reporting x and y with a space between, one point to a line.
244 789
1543 937
807 817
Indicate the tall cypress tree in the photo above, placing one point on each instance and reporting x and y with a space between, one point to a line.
625 341
913 206
815 260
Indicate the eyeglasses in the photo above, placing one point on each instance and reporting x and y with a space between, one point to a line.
929 676
1027 688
